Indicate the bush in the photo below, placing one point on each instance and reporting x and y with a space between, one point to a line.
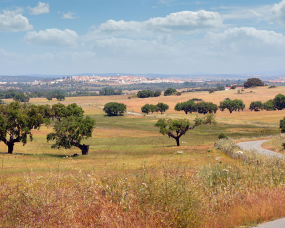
145 93
157 93
222 136
114 108
169 92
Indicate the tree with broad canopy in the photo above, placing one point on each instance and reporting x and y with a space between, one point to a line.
175 128
70 131
18 119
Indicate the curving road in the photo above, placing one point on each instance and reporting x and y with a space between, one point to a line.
256 145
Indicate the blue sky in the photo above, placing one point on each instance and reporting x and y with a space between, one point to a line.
141 36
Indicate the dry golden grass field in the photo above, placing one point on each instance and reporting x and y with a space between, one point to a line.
134 177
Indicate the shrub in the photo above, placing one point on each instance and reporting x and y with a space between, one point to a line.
169 92
222 136
157 93
145 93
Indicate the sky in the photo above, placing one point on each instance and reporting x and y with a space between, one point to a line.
69 37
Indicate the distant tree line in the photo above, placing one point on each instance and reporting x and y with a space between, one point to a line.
278 103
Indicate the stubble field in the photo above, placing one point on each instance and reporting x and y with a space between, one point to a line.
134 177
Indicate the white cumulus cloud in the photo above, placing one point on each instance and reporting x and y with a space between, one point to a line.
247 40
12 22
278 11
52 37
68 15
185 20
41 8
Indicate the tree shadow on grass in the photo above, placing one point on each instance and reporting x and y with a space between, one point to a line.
40 155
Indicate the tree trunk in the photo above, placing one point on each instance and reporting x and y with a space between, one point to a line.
84 149
177 141
10 148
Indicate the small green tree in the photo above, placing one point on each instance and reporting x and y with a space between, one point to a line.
188 106
157 93
269 105
60 97
114 108
279 101
161 107
232 105
175 128
256 106
146 109
145 93
170 91
70 131
21 97
282 125
49 97
17 120
153 108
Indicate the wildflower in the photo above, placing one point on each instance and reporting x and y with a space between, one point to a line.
144 184
180 152
217 158
225 170
239 152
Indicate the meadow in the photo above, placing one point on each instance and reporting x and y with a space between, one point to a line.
135 177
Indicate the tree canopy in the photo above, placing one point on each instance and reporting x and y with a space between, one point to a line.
70 131
145 93
232 105
253 82
175 128
17 120
114 108
188 106
169 92
161 107
256 106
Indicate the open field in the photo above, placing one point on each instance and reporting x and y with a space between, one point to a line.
134 177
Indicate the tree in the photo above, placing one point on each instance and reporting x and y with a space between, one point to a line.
21 97
206 107
279 101
232 105
161 107
146 109
256 106
157 93
188 106
114 108
253 82
60 97
70 131
153 108
145 93
233 87
282 125
169 92
269 105
49 97
17 120
175 128
60 111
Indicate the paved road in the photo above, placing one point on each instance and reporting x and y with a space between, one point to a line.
256 145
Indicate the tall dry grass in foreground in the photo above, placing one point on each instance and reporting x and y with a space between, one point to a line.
246 191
